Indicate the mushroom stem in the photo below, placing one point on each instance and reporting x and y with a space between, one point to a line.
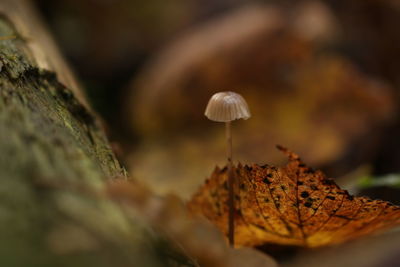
231 199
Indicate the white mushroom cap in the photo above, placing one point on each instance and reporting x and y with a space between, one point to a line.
227 106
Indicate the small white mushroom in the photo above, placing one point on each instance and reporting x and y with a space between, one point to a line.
227 107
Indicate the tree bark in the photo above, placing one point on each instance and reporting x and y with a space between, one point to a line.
50 139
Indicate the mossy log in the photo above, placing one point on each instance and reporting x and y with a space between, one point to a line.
50 140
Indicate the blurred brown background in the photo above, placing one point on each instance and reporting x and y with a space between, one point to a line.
321 77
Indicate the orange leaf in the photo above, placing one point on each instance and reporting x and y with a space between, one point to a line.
291 205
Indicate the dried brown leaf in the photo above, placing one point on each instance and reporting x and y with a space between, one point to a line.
290 205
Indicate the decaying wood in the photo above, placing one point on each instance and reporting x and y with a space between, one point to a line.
39 45
48 141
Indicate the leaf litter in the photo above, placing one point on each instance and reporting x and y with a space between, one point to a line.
292 205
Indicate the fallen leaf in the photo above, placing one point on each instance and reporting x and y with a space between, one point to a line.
290 205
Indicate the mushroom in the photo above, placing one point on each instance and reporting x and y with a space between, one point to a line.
227 107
